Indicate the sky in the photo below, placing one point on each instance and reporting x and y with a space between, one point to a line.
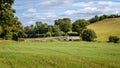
30 11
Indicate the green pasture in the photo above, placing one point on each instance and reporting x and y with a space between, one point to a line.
59 55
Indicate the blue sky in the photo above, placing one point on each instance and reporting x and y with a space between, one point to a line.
30 11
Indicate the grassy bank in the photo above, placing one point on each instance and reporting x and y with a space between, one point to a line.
59 55
106 28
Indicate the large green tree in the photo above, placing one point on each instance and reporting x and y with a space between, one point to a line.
79 25
11 26
57 31
29 29
64 24
41 28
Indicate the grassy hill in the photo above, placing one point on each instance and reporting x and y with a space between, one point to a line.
106 28
59 55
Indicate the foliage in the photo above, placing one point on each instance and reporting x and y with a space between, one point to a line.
88 35
8 37
29 29
48 34
10 25
41 28
99 18
0 30
73 34
64 24
21 39
57 31
114 39
79 25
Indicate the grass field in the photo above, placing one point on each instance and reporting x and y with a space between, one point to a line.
59 55
106 28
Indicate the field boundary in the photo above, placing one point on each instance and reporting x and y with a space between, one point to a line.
59 38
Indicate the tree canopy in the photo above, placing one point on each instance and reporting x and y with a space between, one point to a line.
79 25
88 35
64 24
10 25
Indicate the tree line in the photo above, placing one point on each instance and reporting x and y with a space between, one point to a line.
102 17
61 27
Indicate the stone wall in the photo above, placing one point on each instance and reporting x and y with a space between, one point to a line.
60 38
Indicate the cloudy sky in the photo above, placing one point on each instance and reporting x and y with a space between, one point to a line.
30 11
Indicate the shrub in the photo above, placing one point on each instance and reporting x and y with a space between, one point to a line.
88 35
73 34
21 39
1 39
48 34
114 39
1 30
8 37
36 35
60 33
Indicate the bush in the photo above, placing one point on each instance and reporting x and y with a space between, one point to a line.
48 34
8 37
1 30
73 34
60 33
36 35
88 35
21 39
1 39
114 39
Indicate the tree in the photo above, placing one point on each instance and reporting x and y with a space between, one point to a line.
10 24
50 29
102 17
79 25
64 24
95 19
29 29
48 34
57 31
41 28
17 30
88 35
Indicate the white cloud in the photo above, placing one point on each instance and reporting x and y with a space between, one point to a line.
91 9
31 22
105 3
70 12
32 10
31 18
82 4
54 3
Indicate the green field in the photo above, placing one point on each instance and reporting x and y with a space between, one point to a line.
106 28
59 55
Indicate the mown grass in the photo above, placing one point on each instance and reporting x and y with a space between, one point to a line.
59 55
106 28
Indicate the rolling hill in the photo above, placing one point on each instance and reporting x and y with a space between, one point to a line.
105 28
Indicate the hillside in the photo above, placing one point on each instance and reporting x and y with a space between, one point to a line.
106 28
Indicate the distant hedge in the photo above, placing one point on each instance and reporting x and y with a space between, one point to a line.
73 34
114 39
